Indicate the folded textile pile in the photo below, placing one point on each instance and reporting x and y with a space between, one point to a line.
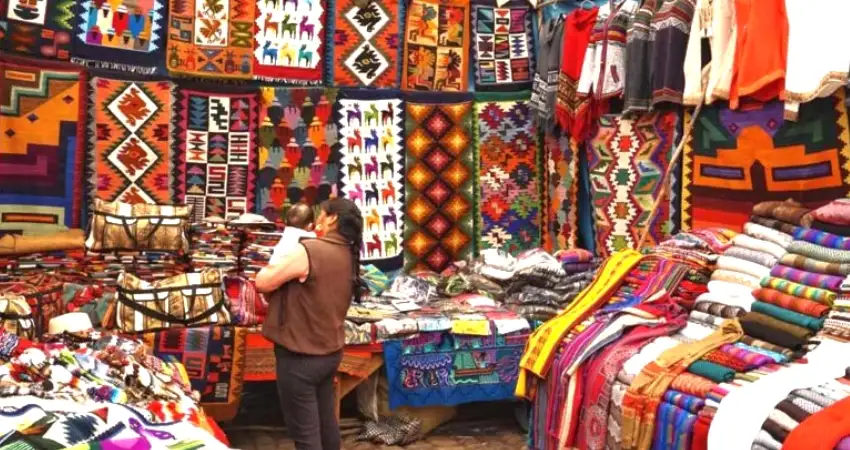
214 245
257 251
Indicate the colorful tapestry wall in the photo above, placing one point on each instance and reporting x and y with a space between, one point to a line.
509 172
367 43
288 40
503 46
42 120
129 141
628 160
562 197
436 48
40 28
216 140
123 35
737 159
371 129
440 182
447 369
299 150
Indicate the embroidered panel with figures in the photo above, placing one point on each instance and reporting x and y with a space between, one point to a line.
503 46
40 28
42 122
510 175
216 136
439 222
211 38
288 40
123 35
367 43
371 129
299 149
436 51
129 141
627 160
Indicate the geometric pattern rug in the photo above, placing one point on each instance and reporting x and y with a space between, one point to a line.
735 159
510 173
41 29
440 181
367 43
561 232
436 46
504 46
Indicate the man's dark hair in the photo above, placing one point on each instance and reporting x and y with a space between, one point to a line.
299 216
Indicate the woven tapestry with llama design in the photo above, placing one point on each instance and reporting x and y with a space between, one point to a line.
299 150
40 28
129 141
367 43
288 40
216 135
436 51
371 130
503 46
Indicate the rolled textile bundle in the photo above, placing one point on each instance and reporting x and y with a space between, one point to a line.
73 239
814 265
768 234
787 211
742 266
818 280
778 358
753 256
688 402
725 360
822 238
720 309
729 289
758 343
777 225
790 302
836 212
794 318
692 384
752 360
840 230
764 327
761 245
819 252
731 276
799 290
712 371
706 318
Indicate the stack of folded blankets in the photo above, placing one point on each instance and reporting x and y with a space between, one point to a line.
214 245
257 251
104 268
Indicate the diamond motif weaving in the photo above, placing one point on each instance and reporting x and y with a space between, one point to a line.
367 47
504 48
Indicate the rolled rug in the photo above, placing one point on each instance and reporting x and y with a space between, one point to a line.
764 327
794 318
712 371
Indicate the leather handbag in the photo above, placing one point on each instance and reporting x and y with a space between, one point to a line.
189 299
117 226
16 316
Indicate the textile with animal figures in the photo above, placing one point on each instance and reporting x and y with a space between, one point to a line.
125 35
299 151
627 160
436 46
211 38
42 117
735 159
446 369
216 138
504 47
367 43
371 129
129 141
509 178
439 225
213 357
288 42
40 28
561 161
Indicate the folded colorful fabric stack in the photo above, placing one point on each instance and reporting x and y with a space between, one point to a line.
214 246
257 251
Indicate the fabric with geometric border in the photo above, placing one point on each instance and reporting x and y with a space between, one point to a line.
216 145
367 49
130 158
736 159
42 125
503 46
289 41
371 129
39 28
562 167
436 46
211 38
441 173
122 35
299 149
510 173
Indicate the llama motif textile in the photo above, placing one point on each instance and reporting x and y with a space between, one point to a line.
299 152
627 160
211 38
510 175
504 47
288 40
371 129
216 137
42 117
436 46
122 35
40 28
737 159
367 43
440 181
130 158
562 185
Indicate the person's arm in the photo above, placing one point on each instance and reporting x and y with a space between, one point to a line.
294 265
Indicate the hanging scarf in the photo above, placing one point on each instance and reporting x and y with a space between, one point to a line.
571 110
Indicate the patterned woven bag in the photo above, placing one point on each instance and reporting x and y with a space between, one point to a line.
247 306
43 294
117 226
16 316
189 299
